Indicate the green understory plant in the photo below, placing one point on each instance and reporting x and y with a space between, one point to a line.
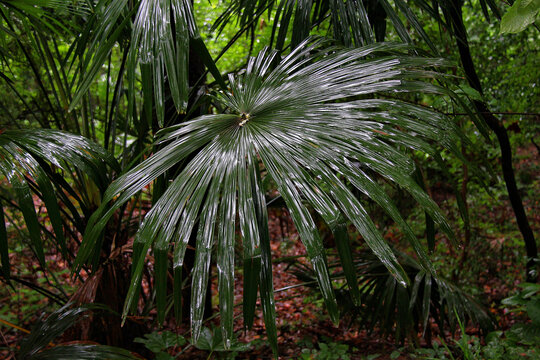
520 342
402 311
160 342
53 165
213 341
307 121
326 350
527 300
496 347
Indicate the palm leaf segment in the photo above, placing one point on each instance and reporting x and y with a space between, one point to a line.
309 125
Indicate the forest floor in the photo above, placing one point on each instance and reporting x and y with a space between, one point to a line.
303 324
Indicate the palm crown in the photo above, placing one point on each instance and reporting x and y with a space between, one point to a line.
307 123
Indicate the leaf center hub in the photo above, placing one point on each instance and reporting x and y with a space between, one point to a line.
244 119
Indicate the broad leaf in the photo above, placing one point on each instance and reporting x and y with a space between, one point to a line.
520 15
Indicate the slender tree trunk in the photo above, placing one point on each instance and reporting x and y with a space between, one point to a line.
467 227
109 286
456 20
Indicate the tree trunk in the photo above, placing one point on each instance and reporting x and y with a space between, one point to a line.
460 33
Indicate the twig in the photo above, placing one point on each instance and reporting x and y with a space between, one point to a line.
498 113
5 322
7 344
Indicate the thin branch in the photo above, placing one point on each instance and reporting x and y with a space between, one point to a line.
498 113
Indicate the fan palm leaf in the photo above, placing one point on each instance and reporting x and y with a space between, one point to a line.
405 312
410 309
25 156
308 123
160 38
353 22
37 344
37 11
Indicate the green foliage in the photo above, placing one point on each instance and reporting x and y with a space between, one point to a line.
392 308
500 346
265 107
213 340
504 63
520 342
321 122
38 344
158 343
521 14
327 350
231 56
528 300
497 347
